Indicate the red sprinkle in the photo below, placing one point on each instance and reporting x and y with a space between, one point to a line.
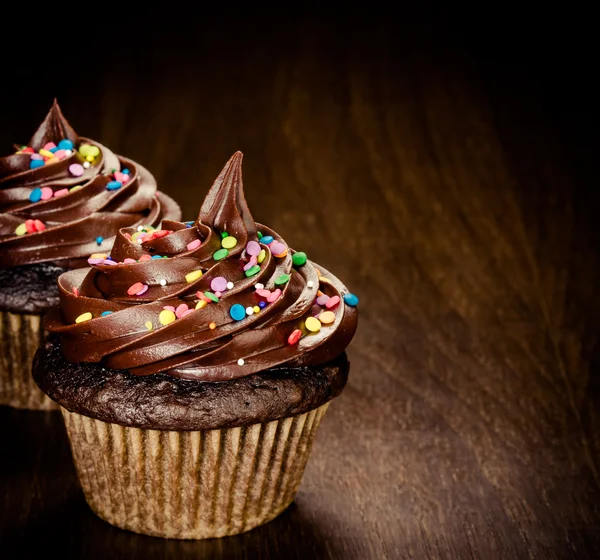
39 226
28 151
137 287
75 291
332 302
160 233
30 226
294 337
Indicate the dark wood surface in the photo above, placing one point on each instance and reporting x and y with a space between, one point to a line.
449 184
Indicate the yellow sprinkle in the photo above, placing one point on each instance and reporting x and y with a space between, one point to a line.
46 153
84 149
261 256
212 326
84 317
193 276
201 304
149 325
21 229
90 158
229 242
94 151
166 316
76 188
327 317
313 324
52 160
256 309
97 256
324 279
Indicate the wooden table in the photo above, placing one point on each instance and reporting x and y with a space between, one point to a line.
448 184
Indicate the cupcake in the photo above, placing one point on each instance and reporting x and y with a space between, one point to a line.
193 372
62 198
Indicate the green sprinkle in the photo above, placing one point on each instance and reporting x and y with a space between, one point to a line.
252 271
220 254
211 297
259 234
299 258
224 234
283 279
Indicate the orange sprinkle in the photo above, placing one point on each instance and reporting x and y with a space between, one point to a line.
212 326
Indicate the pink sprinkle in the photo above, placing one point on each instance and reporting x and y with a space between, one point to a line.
76 169
263 293
181 309
47 193
126 179
60 154
332 302
135 288
75 291
37 156
218 294
274 296
49 146
188 312
322 300
253 248
169 308
250 263
129 261
194 245
277 248
119 176
95 261
109 262
218 284
144 258
61 192
143 290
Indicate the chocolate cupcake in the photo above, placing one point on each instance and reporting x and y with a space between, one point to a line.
193 374
62 197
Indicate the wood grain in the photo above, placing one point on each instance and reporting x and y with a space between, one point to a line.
448 185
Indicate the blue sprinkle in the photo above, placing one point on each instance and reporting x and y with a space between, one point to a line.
125 171
114 185
156 257
53 150
262 304
105 313
35 163
266 239
65 144
99 240
237 312
351 300
35 195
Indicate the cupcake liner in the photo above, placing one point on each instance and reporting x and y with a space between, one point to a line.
191 484
20 336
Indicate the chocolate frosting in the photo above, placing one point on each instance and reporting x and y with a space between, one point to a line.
82 220
165 402
126 296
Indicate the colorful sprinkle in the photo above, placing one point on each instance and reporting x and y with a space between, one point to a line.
76 292
105 313
46 153
262 304
310 284
169 308
83 317
212 326
181 309
193 276
149 325
47 193
35 195
282 279
274 296
65 144
145 258
114 185
21 229
166 317
249 310
259 235
313 324
224 234
137 289
252 262
35 163
218 284
294 337
229 285
261 256
99 240
194 244
201 304
86 164
76 169
252 271
278 249
241 362
259 286
322 300
129 261
263 293
163 282
75 188
256 309
327 317
237 312
125 170
212 297
266 239
95 260
332 302
229 242
61 192
299 258
220 254
351 300
253 248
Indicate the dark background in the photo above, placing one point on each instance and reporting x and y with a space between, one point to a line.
442 165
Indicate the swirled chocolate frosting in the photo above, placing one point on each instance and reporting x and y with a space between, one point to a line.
215 299
63 197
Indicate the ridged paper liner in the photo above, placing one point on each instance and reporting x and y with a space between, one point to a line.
20 337
191 485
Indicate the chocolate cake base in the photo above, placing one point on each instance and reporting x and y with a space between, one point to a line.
164 402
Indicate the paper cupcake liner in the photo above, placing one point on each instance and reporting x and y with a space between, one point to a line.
191 485
20 337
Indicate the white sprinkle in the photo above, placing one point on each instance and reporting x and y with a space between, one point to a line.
249 311
140 240
86 164
310 284
69 152
163 282
241 362
230 285
259 286
140 228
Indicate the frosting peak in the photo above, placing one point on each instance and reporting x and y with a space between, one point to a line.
215 299
63 196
